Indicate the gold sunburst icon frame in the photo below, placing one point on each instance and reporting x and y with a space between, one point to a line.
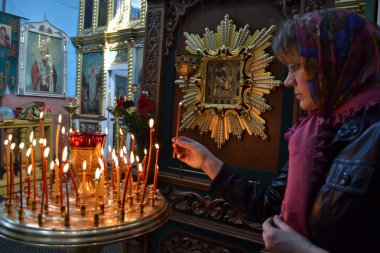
226 95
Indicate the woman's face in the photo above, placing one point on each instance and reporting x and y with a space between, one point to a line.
297 79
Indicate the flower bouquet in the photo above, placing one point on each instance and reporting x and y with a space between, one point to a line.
135 121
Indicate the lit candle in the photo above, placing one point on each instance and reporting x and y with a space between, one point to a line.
151 123
57 177
51 175
84 166
27 166
132 143
57 135
102 178
144 163
139 174
12 171
63 137
46 154
65 169
6 167
177 127
64 157
117 179
126 187
28 179
132 161
113 169
72 175
34 170
44 180
121 137
21 146
41 128
155 172
97 175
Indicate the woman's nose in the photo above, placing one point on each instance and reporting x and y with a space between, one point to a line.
290 81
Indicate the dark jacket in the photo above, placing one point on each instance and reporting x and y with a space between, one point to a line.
345 213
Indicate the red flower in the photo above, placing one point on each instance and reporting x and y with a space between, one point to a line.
144 105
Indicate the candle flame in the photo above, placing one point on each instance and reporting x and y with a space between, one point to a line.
101 163
140 168
29 169
57 161
31 137
59 118
116 162
106 130
113 153
132 157
145 151
109 149
41 141
180 104
157 146
125 149
13 146
34 142
151 123
137 159
97 174
44 142
41 115
52 165
6 142
70 130
121 132
28 152
84 165
132 136
65 168
63 130
125 160
21 146
46 152
64 154
10 137
121 153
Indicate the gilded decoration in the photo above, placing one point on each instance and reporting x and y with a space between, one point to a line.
226 95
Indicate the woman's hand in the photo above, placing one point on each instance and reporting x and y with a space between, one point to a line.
197 156
279 237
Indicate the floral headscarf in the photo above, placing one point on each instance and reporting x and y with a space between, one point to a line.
340 51
341 55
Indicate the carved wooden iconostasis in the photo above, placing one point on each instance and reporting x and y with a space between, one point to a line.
109 58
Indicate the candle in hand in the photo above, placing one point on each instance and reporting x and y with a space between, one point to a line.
177 127
21 147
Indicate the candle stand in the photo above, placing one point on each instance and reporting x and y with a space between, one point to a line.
107 217
71 108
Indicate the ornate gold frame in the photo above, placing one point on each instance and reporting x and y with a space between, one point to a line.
238 102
